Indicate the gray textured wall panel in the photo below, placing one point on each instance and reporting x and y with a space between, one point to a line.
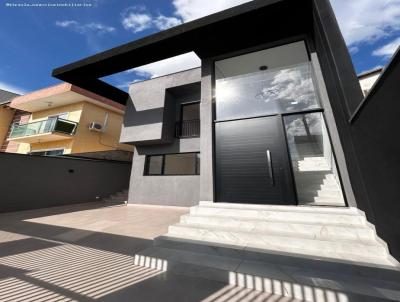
162 190
32 182
149 108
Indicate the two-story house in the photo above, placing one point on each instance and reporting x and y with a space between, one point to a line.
270 140
65 119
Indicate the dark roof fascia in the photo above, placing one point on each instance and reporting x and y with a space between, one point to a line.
191 36
179 30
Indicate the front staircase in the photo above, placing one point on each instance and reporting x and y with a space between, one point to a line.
284 250
316 183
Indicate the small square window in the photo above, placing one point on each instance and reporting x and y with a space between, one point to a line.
154 165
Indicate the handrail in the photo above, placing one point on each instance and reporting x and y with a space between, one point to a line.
46 126
187 128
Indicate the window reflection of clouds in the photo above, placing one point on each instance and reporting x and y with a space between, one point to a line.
266 92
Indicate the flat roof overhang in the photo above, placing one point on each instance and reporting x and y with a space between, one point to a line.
62 95
254 23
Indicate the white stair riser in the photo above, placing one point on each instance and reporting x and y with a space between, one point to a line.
326 232
293 209
320 193
304 187
323 201
279 243
281 216
306 177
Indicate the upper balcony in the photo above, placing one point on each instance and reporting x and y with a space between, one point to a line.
52 129
187 129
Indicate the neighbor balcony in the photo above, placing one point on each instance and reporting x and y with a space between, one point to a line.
53 129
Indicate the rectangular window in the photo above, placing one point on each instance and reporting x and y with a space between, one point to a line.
173 164
48 152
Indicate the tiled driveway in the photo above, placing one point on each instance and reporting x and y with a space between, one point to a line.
85 253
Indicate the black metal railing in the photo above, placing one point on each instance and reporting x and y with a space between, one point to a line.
47 126
189 128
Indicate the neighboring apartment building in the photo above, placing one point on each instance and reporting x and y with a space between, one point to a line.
368 78
66 119
270 140
8 117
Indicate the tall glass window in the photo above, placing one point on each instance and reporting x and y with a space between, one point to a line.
314 168
271 81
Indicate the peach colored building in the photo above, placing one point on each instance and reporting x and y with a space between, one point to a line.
66 119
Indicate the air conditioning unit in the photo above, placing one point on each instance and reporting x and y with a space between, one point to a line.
93 126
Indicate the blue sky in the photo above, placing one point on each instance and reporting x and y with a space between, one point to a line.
37 39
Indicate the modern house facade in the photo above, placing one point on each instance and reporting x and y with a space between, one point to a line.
268 139
65 119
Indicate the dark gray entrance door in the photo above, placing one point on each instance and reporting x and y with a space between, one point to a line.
252 162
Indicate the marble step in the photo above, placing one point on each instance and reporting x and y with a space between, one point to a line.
308 216
350 250
282 208
304 230
367 267
306 192
323 201
303 167
315 186
285 276
320 176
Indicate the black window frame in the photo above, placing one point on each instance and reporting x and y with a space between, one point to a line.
147 165
180 123
46 152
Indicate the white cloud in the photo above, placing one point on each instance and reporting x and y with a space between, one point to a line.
85 28
193 9
367 20
12 88
136 21
163 22
387 50
354 49
171 65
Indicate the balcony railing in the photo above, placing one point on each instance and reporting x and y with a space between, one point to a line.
186 129
47 126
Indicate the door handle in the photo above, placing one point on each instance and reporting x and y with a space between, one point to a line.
270 169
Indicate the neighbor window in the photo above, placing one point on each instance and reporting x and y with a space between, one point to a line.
173 164
48 152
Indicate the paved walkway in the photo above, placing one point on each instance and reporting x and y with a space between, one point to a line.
85 253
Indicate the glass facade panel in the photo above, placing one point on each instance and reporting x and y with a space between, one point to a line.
285 90
272 81
315 172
